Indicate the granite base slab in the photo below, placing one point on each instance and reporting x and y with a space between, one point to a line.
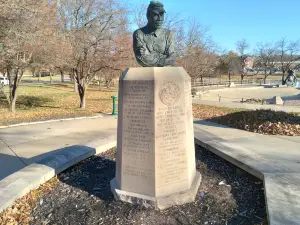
160 203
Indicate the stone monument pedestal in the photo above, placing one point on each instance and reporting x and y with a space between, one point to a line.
155 164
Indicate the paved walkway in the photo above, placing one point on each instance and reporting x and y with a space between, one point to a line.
273 159
236 105
24 145
258 92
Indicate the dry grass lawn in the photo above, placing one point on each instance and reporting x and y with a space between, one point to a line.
35 79
42 102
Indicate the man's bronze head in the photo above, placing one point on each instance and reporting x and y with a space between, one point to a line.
155 14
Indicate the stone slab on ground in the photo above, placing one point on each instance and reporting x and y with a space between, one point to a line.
273 159
231 85
283 187
276 100
29 178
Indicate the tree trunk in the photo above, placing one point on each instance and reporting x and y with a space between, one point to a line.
81 91
265 79
82 101
51 78
33 72
12 105
74 81
13 85
282 78
39 77
75 86
62 76
108 83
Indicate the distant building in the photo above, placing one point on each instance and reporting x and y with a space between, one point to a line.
248 62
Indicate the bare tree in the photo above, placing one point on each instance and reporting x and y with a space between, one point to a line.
229 64
93 28
288 53
24 27
123 58
266 57
241 46
199 59
139 15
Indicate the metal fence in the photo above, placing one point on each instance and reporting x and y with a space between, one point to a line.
237 82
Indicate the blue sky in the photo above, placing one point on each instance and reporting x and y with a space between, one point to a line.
232 20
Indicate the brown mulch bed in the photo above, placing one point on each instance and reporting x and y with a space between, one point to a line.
266 122
19 213
227 195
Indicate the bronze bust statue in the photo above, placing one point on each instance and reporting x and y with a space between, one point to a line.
153 45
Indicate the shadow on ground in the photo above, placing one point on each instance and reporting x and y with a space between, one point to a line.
24 101
32 101
291 98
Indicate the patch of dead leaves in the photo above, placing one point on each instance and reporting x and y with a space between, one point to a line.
19 213
266 122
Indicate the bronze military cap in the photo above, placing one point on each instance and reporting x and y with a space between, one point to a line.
156 7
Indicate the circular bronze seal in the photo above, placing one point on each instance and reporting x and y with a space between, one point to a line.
169 94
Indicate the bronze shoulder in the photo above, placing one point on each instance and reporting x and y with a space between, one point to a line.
137 32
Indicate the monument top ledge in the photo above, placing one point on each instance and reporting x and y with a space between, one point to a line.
152 73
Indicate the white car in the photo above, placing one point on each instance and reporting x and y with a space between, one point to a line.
4 81
251 72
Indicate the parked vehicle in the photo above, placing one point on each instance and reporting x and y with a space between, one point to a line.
43 73
251 72
4 81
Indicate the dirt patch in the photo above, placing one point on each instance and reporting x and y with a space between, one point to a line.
227 195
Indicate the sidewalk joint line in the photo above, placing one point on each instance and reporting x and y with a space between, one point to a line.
14 153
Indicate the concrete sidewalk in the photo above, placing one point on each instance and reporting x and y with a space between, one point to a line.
236 105
23 145
273 159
